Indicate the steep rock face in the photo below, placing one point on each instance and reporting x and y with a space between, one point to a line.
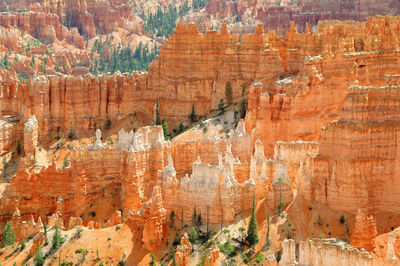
211 188
320 67
109 15
7 136
321 252
86 16
73 102
207 62
351 150
46 27
277 15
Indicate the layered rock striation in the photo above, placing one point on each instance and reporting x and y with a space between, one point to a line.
276 15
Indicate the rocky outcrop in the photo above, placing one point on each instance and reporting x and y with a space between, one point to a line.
7 136
30 136
277 15
289 252
74 102
316 65
213 256
211 189
352 147
323 251
364 232
46 27
154 225
86 16
183 251
208 62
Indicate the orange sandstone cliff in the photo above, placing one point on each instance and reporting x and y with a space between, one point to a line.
319 141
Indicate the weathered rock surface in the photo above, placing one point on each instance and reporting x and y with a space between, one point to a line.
364 232
323 251
86 16
277 15
183 251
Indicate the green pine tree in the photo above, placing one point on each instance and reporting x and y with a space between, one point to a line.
153 261
8 235
57 240
252 233
181 127
192 115
158 121
174 263
33 61
243 104
228 92
39 257
45 233
167 134
221 106
194 217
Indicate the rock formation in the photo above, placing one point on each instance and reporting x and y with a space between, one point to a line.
277 15
154 225
183 251
86 16
364 232
346 153
212 257
30 136
317 251
320 135
289 252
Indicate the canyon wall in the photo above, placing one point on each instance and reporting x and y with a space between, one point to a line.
277 15
358 155
320 66
307 134
87 16
322 252
205 60
300 78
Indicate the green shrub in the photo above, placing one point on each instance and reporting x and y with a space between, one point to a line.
228 249
19 146
58 240
81 251
245 258
193 236
8 235
209 244
67 263
39 257
66 162
71 134
153 261
259 258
